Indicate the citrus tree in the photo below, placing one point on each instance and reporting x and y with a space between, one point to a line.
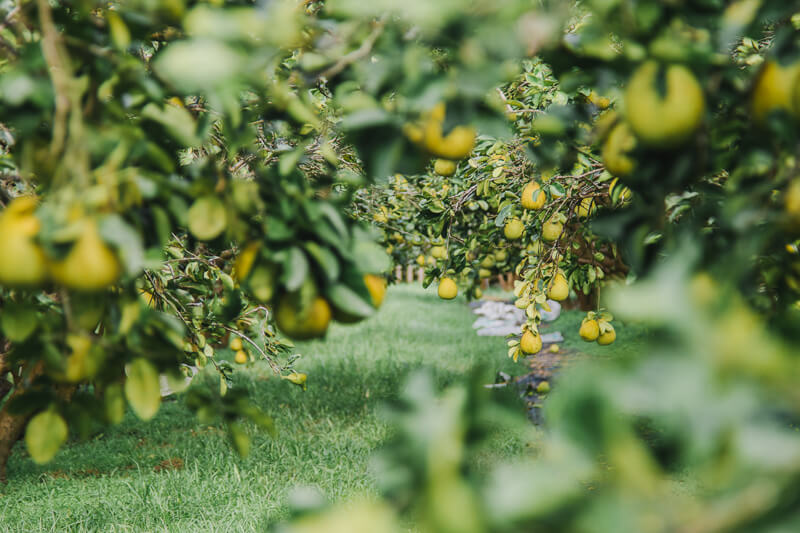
176 183
697 432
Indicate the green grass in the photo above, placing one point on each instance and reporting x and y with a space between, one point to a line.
325 435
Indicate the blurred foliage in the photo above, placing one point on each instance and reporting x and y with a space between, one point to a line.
194 166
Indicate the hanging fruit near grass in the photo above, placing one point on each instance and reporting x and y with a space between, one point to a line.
531 342
376 285
447 289
589 330
607 333
559 288
302 322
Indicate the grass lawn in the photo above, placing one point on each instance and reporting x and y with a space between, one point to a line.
174 474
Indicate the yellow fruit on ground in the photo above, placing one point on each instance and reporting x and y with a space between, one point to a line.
533 196
445 167
308 323
376 285
608 337
774 90
559 288
590 330
513 229
90 265
240 357
530 342
543 387
619 144
22 261
447 289
236 344
586 208
551 229
664 118
439 252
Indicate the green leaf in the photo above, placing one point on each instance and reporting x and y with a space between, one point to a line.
177 121
239 439
198 64
45 434
295 269
371 258
501 216
557 190
325 259
142 388
207 218
114 403
346 299
114 230
18 321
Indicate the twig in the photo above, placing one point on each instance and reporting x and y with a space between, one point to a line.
60 72
359 53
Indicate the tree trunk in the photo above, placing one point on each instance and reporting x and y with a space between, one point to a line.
11 428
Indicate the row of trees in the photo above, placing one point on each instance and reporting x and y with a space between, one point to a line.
178 177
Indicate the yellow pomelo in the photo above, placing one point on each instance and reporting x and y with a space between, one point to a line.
590 330
551 229
530 343
619 144
775 90
447 289
90 264
308 323
444 167
608 337
533 196
22 261
664 117
513 229
586 208
559 288
439 252
376 285
236 344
